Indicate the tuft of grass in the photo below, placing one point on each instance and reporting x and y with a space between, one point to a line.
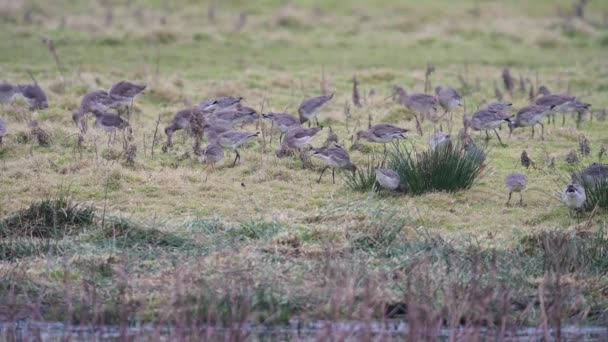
597 194
448 168
129 234
53 217
381 232
255 230
18 248
364 179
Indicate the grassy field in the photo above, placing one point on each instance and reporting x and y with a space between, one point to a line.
174 241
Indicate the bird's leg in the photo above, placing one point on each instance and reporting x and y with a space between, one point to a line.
563 119
521 199
532 131
321 175
487 136
418 126
236 157
333 175
542 131
308 123
384 158
129 110
271 131
579 118
509 200
498 136
317 120
281 138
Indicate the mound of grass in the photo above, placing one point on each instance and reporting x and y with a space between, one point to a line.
448 168
128 234
49 218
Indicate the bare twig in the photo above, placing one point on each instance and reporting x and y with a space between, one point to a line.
356 97
154 138
51 46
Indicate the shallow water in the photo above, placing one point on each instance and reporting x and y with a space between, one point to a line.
302 331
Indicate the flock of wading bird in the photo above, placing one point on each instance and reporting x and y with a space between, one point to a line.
217 121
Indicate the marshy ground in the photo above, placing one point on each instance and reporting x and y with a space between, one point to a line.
168 239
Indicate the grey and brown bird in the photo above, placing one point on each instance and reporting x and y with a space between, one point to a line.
282 121
516 182
382 134
34 96
489 118
591 175
574 197
7 92
449 99
182 119
389 179
211 154
124 92
334 157
3 129
299 137
109 122
560 103
233 115
311 107
222 102
439 139
98 100
332 138
233 139
213 131
530 116
421 104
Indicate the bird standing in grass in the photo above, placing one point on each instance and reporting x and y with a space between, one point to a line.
424 105
561 103
449 99
299 137
283 121
311 107
225 101
233 115
489 118
34 96
382 134
516 182
530 116
124 92
439 139
212 154
234 139
574 197
98 100
388 179
109 122
335 157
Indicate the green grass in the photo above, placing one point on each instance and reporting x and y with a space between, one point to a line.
263 241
